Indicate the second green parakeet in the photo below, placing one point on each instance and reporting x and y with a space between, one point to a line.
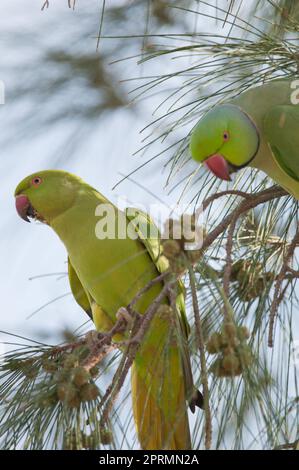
258 128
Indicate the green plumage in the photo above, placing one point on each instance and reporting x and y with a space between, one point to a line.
277 120
105 274
269 141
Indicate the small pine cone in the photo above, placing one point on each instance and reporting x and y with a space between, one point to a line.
48 401
231 365
89 392
61 391
194 255
171 249
237 266
81 376
243 333
69 394
228 351
248 292
62 376
178 266
94 372
70 361
243 294
251 268
214 345
30 372
252 291
230 330
49 366
245 355
106 436
74 402
217 368
225 341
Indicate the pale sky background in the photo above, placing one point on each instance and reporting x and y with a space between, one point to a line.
30 250
103 155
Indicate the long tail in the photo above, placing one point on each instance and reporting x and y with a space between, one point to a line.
159 390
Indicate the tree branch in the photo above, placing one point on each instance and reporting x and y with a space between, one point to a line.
253 201
204 372
278 292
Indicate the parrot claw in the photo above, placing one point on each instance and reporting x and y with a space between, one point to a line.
92 337
123 314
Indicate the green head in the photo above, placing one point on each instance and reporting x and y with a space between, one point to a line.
46 194
225 139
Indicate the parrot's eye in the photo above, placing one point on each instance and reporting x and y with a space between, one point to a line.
225 136
37 181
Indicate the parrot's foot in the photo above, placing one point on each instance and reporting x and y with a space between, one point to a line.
123 314
92 337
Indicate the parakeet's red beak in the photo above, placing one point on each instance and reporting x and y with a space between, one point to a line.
23 207
218 166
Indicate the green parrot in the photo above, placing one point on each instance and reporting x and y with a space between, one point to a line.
258 128
105 274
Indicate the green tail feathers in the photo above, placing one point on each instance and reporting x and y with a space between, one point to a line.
159 393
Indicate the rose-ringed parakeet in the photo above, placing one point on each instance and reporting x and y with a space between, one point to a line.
258 128
106 274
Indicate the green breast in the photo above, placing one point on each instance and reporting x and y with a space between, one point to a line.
112 271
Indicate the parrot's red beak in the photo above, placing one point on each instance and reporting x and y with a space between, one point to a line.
218 166
23 207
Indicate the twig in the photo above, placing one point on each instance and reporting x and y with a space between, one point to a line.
215 196
204 372
67 347
293 272
259 198
278 293
149 314
114 388
250 201
97 355
139 330
102 344
228 264
146 288
118 379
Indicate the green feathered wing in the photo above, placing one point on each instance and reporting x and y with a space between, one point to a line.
78 290
166 381
161 377
282 133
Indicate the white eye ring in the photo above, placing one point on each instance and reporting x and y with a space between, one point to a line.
36 181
